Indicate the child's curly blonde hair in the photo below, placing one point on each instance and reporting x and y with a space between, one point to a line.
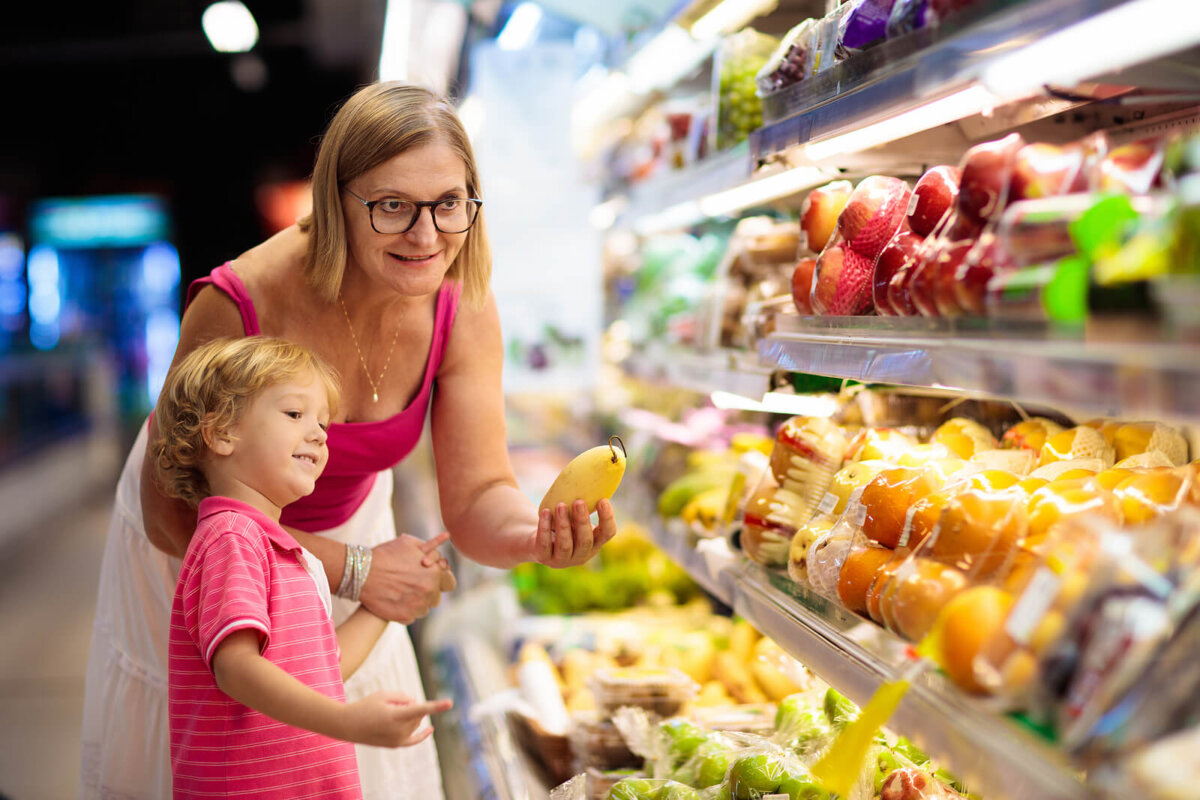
209 391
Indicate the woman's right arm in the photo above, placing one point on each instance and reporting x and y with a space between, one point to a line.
168 521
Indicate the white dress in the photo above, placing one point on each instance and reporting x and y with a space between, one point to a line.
126 742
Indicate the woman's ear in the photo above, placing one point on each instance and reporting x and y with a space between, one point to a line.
219 442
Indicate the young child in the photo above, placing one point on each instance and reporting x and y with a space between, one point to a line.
257 707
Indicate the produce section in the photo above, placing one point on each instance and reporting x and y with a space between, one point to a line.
933 200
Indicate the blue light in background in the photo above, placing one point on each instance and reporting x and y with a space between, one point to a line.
12 288
45 297
160 278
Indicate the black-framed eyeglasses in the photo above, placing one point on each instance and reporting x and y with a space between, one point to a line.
393 215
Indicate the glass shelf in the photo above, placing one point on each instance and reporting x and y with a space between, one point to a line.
1030 363
736 372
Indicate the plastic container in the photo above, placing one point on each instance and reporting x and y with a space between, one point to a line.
739 58
663 691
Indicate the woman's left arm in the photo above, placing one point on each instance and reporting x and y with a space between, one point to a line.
489 518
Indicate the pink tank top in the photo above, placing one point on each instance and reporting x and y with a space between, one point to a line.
357 450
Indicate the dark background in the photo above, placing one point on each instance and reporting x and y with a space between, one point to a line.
123 97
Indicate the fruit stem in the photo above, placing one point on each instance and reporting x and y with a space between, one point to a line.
614 452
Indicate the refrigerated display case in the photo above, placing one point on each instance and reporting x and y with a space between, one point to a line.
1046 69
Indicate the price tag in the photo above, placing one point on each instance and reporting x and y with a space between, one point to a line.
860 515
907 531
1033 604
828 503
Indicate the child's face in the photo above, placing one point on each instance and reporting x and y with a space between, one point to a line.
277 450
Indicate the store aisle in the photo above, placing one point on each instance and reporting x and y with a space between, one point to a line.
48 581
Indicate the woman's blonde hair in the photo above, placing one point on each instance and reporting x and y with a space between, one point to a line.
209 390
379 122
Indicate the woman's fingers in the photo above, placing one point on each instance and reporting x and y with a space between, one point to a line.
543 540
581 532
564 544
607 528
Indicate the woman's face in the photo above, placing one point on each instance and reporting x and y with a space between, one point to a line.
412 263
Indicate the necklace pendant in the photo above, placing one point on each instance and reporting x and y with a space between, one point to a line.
376 396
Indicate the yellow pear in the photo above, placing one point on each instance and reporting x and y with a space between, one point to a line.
590 476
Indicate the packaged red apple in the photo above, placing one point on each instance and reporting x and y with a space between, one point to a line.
893 270
843 282
802 282
1134 168
819 214
770 521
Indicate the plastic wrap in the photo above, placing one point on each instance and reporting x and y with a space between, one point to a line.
791 62
740 56
843 282
862 26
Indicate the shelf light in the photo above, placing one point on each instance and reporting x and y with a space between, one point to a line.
807 405
760 191
669 219
963 103
1129 34
730 15
666 59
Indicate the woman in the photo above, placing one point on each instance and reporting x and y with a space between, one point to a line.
371 281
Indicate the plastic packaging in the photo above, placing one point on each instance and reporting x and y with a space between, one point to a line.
740 56
863 26
843 281
661 691
791 62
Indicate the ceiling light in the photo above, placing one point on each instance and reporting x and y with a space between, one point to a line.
730 15
944 110
521 27
229 26
1129 34
761 191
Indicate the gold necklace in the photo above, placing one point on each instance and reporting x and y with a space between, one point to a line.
363 361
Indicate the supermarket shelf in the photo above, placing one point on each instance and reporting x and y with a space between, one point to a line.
1026 363
736 372
936 62
992 755
496 765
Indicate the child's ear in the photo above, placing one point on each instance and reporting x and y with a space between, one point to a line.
218 441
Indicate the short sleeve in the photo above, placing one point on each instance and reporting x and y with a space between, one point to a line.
226 591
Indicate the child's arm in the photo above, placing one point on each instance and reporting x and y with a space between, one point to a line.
356 636
384 719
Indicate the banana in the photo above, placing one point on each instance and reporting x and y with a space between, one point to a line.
678 492
706 507
592 475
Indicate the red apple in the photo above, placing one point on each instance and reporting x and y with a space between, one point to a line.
872 214
932 199
824 283
802 280
1047 170
899 253
986 170
945 275
922 280
1133 168
987 258
819 213
899 293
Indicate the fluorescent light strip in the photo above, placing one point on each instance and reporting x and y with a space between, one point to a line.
673 218
730 15
665 59
762 190
1128 34
964 103
808 405
521 28
394 50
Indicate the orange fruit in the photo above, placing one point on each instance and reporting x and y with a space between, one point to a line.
978 531
1149 494
914 597
857 575
886 500
971 619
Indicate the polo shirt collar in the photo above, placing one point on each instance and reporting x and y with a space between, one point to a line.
275 532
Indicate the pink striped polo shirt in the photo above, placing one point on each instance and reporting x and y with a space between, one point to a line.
242 570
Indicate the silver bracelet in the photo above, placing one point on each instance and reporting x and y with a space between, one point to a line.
347 574
354 575
360 575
